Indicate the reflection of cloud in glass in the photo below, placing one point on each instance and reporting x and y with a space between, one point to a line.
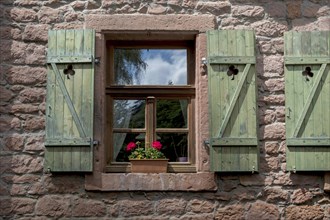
164 66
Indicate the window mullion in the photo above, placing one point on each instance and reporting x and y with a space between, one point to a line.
150 120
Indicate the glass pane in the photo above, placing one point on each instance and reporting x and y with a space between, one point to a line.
172 113
120 142
150 66
175 145
129 114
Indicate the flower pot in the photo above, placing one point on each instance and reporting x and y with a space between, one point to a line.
183 159
149 165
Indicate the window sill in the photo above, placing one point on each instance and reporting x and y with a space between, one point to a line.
172 168
151 182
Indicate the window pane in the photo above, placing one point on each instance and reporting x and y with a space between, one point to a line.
120 142
150 66
129 114
175 145
172 113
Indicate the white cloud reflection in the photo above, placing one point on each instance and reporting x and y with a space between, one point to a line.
164 66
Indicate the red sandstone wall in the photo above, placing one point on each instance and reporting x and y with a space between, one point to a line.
27 193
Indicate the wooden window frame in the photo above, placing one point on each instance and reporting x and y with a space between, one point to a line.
151 93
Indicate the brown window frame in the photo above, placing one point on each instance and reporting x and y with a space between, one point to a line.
150 93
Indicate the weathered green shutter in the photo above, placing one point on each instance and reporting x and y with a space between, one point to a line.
69 104
307 100
232 101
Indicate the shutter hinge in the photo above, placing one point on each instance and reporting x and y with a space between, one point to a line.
204 61
95 142
253 169
97 60
206 144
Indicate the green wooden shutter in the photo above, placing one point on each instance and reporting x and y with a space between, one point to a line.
69 105
307 100
232 101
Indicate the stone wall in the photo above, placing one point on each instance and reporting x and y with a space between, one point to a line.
27 193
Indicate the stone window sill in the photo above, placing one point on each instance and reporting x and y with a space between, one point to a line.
205 181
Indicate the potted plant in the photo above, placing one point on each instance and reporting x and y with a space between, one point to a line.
147 159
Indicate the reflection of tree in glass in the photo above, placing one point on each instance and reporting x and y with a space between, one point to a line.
170 115
128 65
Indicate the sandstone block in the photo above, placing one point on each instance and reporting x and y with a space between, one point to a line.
270 28
273 99
215 8
88 208
47 15
34 123
274 85
294 9
9 123
304 212
156 9
263 211
14 142
248 11
34 143
272 147
277 9
323 11
37 32
53 205
8 33
69 184
276 194
135 207
274 131
200 206
91 4
171 206
301 196
32 95
26 75
22 14
189 3
22 164
5 94
23 108
230 212
21 179
310 9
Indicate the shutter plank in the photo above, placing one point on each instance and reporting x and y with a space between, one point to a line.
73 101
232 110
307 101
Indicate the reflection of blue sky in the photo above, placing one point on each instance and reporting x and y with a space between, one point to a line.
164 66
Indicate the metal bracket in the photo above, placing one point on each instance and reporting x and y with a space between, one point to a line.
253 169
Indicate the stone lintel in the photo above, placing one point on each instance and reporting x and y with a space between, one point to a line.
200 23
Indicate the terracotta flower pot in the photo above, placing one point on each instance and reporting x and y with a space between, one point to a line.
149 165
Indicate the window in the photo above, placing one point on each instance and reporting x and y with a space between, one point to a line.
150 96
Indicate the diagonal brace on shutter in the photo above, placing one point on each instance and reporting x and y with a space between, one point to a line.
309 100
68 101
234 99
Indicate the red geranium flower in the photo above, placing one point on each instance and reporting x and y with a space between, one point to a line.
130 146
157 145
